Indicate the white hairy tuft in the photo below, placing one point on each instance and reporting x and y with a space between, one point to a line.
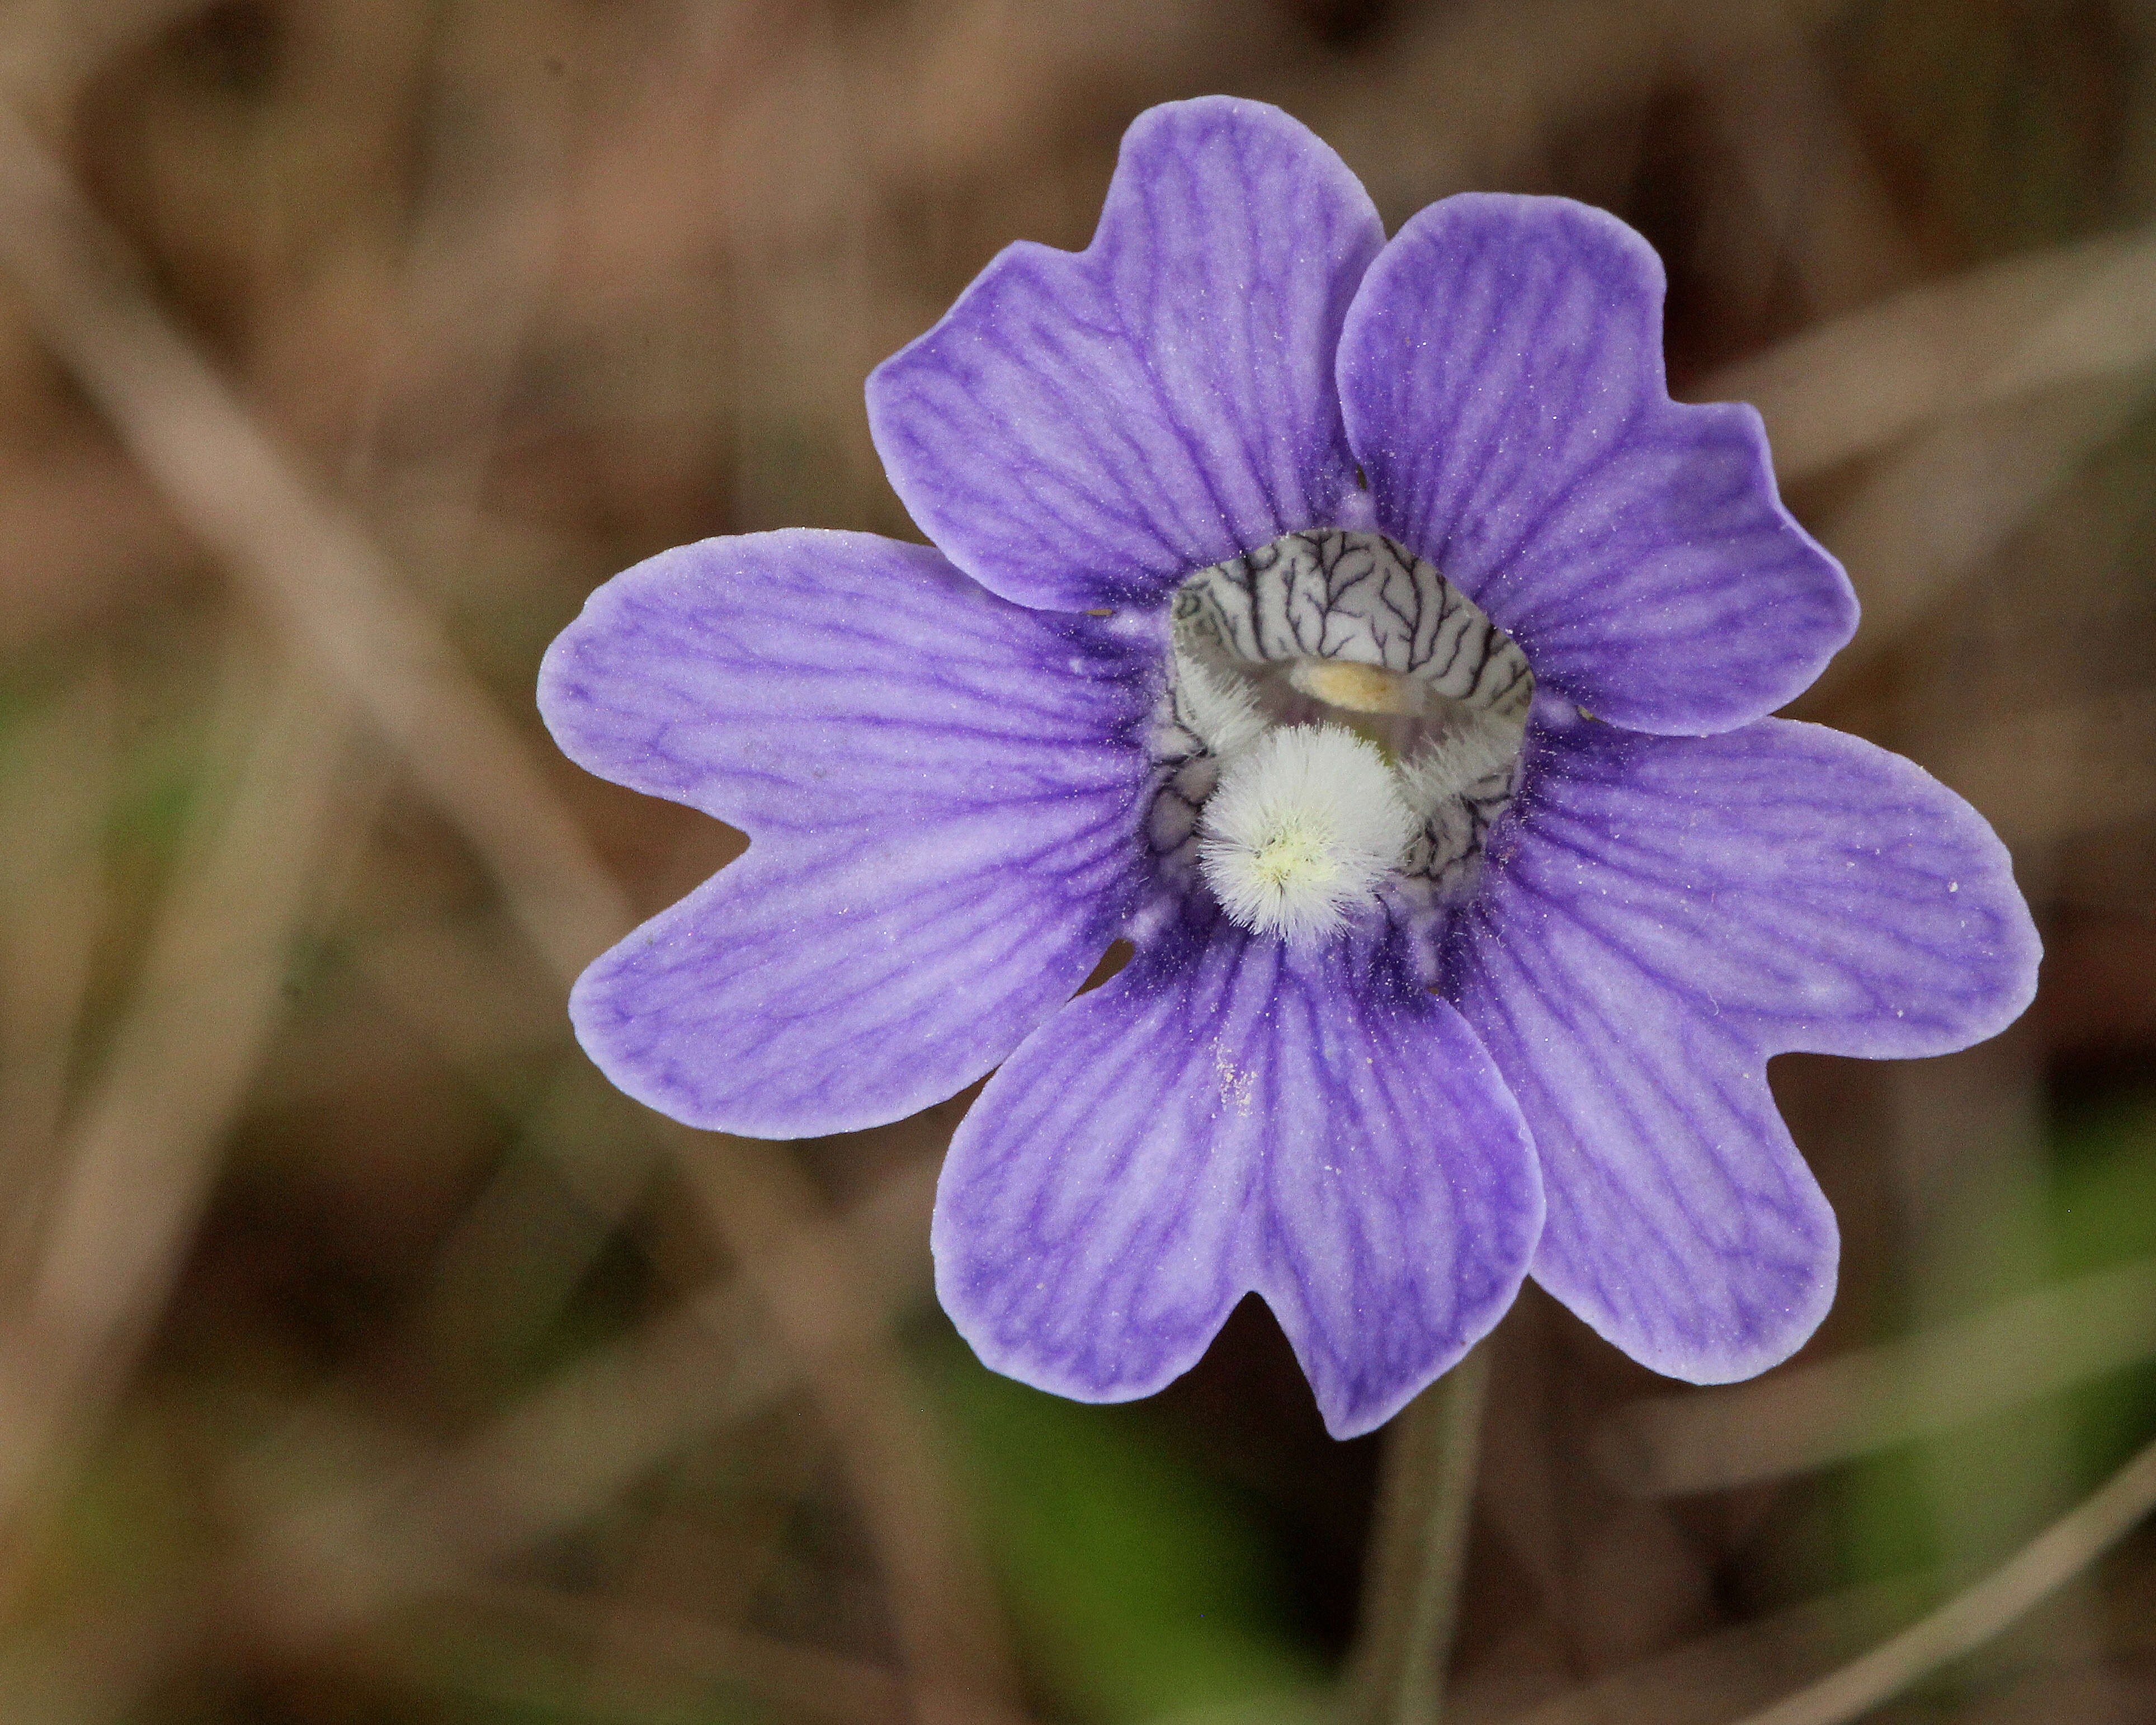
1453 765
1303 826
1219 707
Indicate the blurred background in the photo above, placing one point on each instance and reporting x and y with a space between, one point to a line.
363 1358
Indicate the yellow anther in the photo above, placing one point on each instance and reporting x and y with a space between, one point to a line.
1357 688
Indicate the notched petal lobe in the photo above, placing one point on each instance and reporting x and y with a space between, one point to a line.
1229 1115
1502 378
1087 428
943 792
1659 916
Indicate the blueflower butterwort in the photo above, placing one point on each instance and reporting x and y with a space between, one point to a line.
1359 629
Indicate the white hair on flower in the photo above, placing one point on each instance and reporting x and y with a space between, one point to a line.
1221 709
1305 823
1453 765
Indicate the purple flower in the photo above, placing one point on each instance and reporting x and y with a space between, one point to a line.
1360 630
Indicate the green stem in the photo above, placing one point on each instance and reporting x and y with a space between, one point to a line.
1395 1673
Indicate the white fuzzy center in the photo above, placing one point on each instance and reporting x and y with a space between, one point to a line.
1302 826
1340 720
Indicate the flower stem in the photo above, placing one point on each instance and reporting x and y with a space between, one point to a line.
1395 1673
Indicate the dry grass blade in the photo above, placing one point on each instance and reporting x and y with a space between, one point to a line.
312 566
1812 1416
1934 511
555 1458
679 1648
1863 381
1971 1618
323 577
2045 775
49 49
336 1564
138 1157
570 1447
1702 1681
809 1284
56 772
1792 140
1533 67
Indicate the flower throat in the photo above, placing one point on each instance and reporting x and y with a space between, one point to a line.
1340 723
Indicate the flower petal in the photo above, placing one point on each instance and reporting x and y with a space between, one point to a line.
1085 428
1658 916
943 791
1502 374
1229 1115
821 988
804 679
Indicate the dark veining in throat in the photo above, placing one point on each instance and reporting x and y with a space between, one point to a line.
1346 629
